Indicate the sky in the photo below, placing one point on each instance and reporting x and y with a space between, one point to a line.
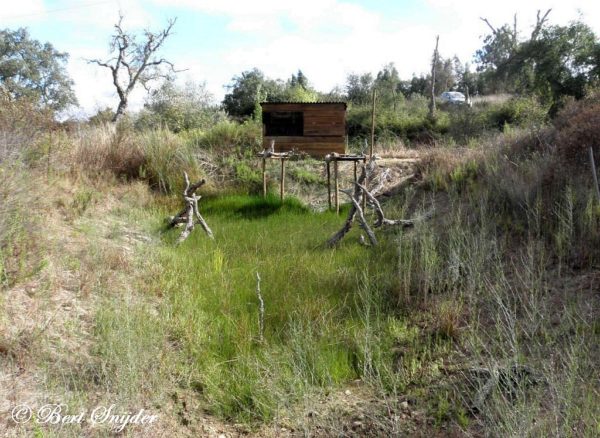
215 40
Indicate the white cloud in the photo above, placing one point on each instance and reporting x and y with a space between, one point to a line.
328 39
21 9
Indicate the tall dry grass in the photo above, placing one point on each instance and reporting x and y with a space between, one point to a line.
157 156
509 276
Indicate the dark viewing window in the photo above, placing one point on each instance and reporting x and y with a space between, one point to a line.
284 124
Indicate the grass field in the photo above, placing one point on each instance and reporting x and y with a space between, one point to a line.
319 310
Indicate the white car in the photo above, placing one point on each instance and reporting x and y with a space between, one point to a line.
453 97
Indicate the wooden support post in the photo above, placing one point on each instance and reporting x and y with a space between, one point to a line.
337 187
328 163
264 175
372 124
355 177
594 172
282 187
364 198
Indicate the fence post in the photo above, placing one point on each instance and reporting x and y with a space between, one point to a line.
594 172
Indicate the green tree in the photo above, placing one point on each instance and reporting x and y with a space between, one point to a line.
102 116
417 85
299 79
359 87
466 81
302 80
554 61
388 85
561 61
498 54
298 89
247 90
35 71
179 108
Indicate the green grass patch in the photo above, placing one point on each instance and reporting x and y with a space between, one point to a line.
321 327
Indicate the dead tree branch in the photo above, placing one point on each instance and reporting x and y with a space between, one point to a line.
361 218
187 214
333 240
486 21
382 221
539 23
261 310
356 210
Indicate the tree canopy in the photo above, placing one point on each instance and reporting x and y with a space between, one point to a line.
179 108
251 87
551 62
34 70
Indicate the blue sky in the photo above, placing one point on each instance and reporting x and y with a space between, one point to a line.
327 39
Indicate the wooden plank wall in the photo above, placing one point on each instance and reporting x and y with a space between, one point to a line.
324 129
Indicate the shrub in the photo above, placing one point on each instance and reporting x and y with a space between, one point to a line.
157 156
467 122
229 137
519 111
179 108
409 121
578 126
166 157
472 122
19 230
108 148
22 124
102 117
247 176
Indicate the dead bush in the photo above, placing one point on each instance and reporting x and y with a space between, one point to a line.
108 148
578 128
21 125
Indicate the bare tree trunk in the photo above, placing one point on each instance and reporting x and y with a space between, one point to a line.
433 66
120 110
373 124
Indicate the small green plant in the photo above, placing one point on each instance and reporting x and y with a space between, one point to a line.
81 201
465 174
305 176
